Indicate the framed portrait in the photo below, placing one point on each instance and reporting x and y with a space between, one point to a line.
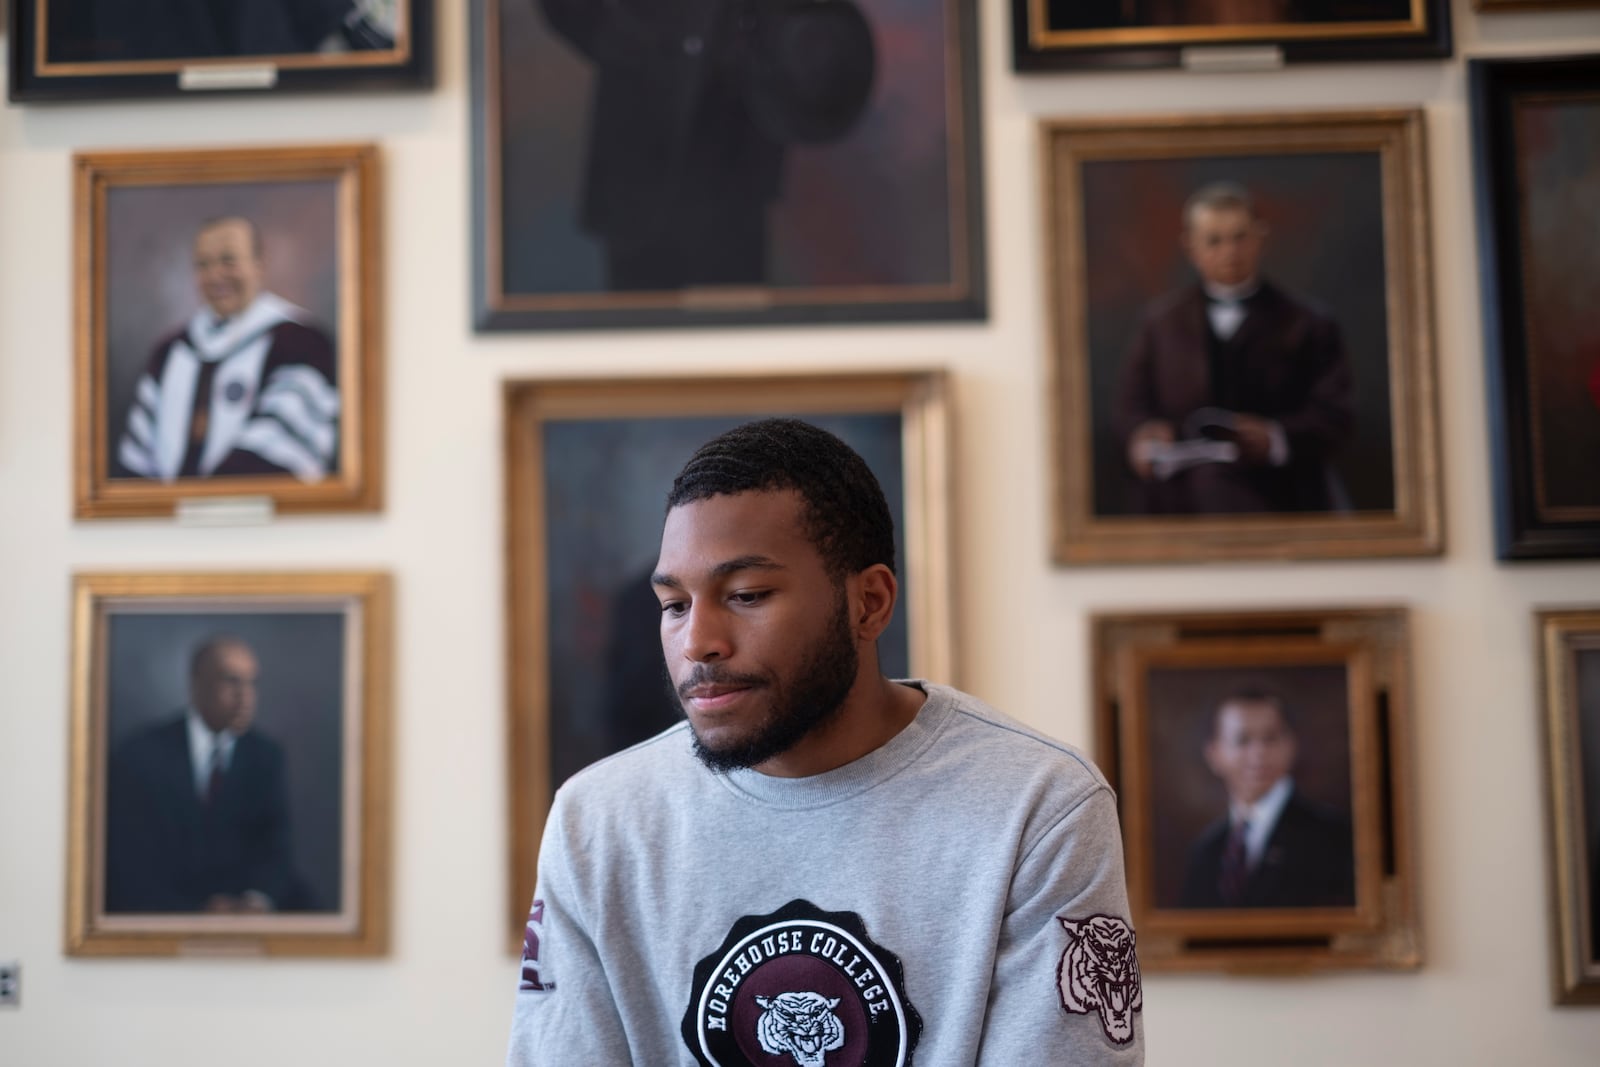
227 330
1222 34
1261 762
112 49
230 765
1242 325
1569 652
1536 123
649 164
588 467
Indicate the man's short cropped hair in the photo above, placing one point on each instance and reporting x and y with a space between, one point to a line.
845 513
1253 693
1218 196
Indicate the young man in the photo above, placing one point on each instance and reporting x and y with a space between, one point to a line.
821 866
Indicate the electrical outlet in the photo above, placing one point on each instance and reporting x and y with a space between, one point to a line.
10 984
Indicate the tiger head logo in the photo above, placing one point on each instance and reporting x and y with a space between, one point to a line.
801 1024
1099 972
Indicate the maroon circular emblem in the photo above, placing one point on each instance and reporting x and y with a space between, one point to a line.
800 987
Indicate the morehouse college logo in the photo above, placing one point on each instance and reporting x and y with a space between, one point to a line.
800 987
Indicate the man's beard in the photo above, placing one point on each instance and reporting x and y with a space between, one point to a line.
808 699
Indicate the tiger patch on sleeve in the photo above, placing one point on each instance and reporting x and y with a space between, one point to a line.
1099 972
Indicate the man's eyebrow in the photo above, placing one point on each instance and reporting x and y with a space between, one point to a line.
722 570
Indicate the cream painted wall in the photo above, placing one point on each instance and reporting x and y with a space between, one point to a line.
444 993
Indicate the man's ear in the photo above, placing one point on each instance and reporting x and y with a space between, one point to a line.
873 593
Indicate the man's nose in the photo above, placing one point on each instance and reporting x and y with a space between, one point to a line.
706 634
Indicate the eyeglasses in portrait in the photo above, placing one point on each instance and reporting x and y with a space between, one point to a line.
230 765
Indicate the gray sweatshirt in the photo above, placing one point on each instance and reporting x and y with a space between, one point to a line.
955 897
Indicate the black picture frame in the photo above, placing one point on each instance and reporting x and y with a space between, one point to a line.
884 223
76 65
1131 34
1535 378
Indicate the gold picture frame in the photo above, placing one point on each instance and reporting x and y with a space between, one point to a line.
314 216
1331 881
588 466
287 852
1368 484
1569 656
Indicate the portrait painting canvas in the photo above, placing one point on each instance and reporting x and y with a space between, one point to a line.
589 466
227 332
650 163
1569 653
1243 361
229 779
1536 139
110 49
1255 757
1222 34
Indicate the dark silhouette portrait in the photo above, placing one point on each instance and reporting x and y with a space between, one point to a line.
694 106
1235 394
248 386
197 805
1272 848
109 31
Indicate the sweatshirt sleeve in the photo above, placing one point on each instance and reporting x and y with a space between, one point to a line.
565 1012
1066 985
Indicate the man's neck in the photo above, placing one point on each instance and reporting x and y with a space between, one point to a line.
873 713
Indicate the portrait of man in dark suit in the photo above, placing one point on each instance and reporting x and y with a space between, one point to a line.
1235 394
1273 847
197 806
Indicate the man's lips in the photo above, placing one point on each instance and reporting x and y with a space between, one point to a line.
713 697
